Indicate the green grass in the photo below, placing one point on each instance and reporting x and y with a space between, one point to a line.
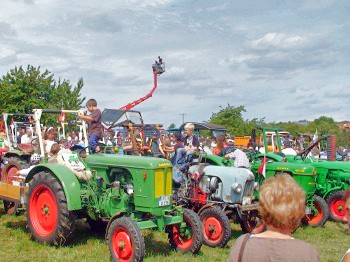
331 241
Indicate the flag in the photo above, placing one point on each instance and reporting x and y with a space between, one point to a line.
262 167
315 137
62 117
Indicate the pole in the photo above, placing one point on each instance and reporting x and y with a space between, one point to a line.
183 117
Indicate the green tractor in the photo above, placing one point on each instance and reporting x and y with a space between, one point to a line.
317 211
333 177
123 193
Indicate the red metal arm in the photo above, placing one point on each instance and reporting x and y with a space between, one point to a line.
138 101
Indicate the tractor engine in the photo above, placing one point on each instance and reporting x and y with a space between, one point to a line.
230 185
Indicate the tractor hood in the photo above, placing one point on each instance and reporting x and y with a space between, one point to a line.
295 168
336 165
127 161
225 173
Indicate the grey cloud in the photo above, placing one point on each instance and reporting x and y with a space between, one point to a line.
102 23
7 31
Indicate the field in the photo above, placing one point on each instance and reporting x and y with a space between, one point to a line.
15 244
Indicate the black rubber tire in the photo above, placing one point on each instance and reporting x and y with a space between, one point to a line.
251 223
338 195
195 226
221 217
137 240
11 208
65 224
323 207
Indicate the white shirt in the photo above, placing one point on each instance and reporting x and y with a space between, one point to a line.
289 151
25 139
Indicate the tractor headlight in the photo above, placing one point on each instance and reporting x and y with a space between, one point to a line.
129 189
237 187
256 186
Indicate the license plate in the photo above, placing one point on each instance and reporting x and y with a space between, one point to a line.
164 201
246 201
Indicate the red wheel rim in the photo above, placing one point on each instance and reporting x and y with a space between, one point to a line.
10 174
213 230
43 211
337 208
122 245
314 219
182 241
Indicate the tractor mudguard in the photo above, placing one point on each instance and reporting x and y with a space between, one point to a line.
205 207
114 217
66 178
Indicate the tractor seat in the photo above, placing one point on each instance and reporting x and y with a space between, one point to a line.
69 159
28 148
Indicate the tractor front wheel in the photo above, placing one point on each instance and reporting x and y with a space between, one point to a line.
125 240
48 218
216 227
319 213
188 239
336 204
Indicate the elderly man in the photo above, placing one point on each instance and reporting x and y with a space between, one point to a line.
240 158
27 137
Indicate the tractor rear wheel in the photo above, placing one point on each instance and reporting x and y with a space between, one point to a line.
319 213
251 223
336 204
48 218
9 171
189 239
125 240
216 227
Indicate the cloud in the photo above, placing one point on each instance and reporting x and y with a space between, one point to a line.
279 41
279 61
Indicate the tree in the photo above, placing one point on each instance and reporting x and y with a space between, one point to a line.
231 118
21 91
172 125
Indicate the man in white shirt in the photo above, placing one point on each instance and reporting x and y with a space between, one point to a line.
27 137
240 158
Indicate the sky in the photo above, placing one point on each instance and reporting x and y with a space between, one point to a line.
281 60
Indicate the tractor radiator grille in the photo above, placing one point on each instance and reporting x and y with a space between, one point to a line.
163 182
248 188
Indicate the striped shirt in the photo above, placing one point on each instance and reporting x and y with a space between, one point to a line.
241 159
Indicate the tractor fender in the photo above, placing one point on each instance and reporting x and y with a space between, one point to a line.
66 178
18 154
206 206
114 217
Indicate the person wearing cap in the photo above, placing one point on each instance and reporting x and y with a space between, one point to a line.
229 146
34 160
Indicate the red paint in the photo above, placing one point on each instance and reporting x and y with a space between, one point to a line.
43 211
122 245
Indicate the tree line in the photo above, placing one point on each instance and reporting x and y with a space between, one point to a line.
231 118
